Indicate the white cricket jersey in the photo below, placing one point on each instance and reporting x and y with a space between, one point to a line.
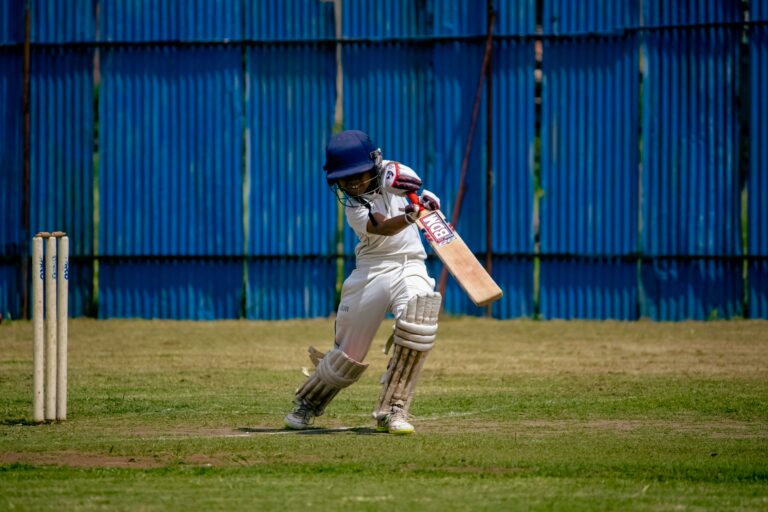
380 247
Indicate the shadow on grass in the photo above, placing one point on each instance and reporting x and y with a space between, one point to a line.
361 431
22 422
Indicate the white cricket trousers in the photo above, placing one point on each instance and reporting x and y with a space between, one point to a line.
371 290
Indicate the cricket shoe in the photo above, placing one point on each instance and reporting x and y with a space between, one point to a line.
395 422
301 418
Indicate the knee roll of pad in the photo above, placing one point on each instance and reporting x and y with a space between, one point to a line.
417 326
334 372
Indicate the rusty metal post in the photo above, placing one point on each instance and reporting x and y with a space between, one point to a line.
489 158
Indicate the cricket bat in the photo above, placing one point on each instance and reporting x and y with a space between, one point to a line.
456 256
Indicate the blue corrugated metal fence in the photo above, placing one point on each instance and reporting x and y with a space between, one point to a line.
180 144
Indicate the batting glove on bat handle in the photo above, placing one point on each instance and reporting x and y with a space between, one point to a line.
414 199
429 200
412 213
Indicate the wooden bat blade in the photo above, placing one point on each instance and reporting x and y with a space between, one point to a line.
458 259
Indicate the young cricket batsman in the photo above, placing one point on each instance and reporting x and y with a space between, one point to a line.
390 276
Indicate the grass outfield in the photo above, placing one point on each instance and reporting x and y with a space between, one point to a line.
515 415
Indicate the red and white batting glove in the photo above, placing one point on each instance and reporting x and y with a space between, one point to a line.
400 179
429 200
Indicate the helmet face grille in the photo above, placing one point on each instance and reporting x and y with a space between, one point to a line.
351 200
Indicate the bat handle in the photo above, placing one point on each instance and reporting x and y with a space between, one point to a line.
414 199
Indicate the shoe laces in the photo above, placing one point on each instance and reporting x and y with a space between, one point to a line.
398 413
305 411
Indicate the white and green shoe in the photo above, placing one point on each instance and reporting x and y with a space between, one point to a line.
395 422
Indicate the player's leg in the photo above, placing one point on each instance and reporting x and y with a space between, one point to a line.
363 306
364 301
334 372
416 308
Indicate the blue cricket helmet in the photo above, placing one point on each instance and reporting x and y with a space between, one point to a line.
348 153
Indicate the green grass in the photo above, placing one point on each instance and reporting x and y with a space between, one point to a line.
509 415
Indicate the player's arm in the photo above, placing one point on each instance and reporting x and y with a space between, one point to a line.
388 226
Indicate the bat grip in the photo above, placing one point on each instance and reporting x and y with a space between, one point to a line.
414 199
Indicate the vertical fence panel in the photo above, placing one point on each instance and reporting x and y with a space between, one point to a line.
285 287
758 10
589 148
595 289
11 176
169 20
700 289
150 287
62 21
757 187
515 17
61 160
279 20
11 22
690 130
691 195
171 181
513 148
11 170
10 290
589 176
290 117
460 18
290 108
171 144
589 16
512 166
392 19
686 12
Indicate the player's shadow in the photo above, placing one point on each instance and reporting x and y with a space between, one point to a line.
361 431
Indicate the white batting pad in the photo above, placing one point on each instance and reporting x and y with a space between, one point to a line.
417 326
414 337
334 372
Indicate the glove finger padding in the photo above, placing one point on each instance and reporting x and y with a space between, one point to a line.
429 200
400 179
